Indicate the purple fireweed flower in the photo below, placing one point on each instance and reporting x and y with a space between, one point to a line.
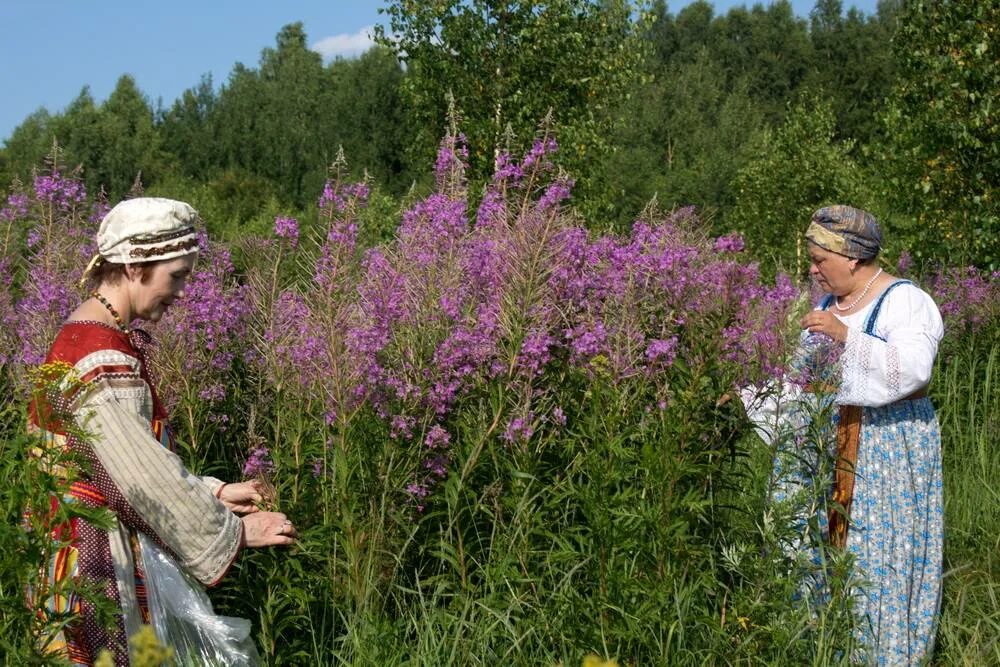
506 168
534 352
662 352
492 211
537 155
61 192
317 467
337 198
558 416
401 426
519 429
359 191
258 463
904 263
437 465
432 227
203 334
213 393
296 346
16 208
418 491
287 228
557 191
437 437
452 160
730 243
587 340
969 300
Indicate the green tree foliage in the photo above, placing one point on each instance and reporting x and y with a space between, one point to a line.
507 63
768 47
269 119
274 130
127 141
853 63
25 148
798 168
370 116
188 132
113 142
686 138
943 133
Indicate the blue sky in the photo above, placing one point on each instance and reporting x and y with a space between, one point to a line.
50 49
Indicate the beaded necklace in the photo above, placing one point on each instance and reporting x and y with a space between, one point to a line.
111 309
868 286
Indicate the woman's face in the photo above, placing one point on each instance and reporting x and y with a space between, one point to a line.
833 272
165 283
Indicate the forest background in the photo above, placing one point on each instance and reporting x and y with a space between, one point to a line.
490 393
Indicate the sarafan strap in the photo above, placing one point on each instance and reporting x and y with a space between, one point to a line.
869 328
873 315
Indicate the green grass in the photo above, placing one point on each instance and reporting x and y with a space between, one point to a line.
967 397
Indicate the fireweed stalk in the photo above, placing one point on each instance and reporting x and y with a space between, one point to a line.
47 240
199 347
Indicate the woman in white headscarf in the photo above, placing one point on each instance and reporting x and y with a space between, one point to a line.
147 248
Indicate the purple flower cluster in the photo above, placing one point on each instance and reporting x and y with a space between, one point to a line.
730 243
203 334
287 228
259 463
62 193
40 276
338 207
969 299
519 428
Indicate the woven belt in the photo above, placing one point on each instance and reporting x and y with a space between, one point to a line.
848 436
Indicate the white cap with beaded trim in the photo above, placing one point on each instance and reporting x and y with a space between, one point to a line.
147 229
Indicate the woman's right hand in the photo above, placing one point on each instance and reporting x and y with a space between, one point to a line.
266 529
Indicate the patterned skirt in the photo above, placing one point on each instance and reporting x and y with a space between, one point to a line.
896 530
105 559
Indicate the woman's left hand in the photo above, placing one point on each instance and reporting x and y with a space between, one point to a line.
825 322
242 497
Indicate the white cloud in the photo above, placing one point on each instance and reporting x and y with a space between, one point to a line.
345 45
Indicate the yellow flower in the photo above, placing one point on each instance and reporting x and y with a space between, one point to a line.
52 373
592 660
147 651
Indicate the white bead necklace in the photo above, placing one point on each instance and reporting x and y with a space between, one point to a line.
868 286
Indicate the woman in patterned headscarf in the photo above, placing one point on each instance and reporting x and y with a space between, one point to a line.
887 488
146 252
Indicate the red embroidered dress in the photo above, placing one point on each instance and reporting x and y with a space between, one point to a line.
134 473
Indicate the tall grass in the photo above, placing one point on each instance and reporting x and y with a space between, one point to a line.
967 393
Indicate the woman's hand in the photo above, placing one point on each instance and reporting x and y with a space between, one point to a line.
266 529
242 497
825 322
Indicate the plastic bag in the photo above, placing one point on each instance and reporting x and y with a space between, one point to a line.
182 617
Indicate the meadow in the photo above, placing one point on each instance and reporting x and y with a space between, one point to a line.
505 439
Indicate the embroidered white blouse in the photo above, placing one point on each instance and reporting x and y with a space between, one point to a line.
896 361
876 370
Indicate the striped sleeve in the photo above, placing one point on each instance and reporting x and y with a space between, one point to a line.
149 482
